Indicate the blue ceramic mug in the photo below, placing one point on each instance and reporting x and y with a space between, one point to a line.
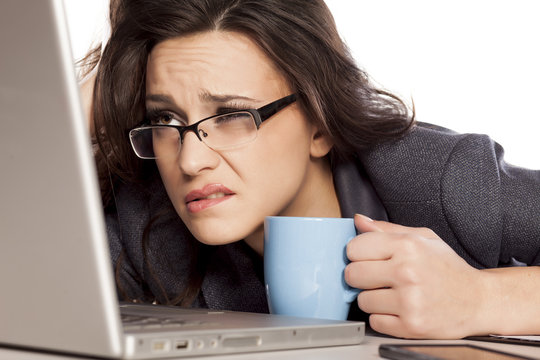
304 262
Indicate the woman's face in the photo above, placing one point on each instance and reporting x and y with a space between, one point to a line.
223 196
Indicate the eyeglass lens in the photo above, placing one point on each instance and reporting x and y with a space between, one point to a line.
220 132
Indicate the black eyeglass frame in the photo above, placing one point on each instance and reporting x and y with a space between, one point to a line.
259 115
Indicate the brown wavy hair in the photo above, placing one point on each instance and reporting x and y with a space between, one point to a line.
298 36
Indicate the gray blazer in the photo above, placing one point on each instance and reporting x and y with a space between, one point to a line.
455 184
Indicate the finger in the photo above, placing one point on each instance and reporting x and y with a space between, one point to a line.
387 324
397 326
368 274
371 246
365 224
379 301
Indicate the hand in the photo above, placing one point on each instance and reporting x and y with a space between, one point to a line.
415 285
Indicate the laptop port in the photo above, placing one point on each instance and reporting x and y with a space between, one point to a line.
181 344
160 346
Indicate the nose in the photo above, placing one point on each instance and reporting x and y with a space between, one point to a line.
195 156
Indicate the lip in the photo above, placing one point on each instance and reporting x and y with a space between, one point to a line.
196 200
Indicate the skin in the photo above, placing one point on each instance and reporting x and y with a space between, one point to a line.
86 89
418 287
415 285
282 172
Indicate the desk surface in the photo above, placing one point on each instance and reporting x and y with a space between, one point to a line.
367 350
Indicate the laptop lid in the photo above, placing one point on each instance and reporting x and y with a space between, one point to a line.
53 260
57 285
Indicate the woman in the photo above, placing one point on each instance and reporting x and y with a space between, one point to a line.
242 109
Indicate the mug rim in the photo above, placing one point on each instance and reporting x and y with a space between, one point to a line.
307 218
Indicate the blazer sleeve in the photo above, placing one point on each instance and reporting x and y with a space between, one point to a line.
151 249
125 226
521 214
128 278
492 207
459 185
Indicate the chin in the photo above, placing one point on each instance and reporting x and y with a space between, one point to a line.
214 233
214 238
222 227
216 242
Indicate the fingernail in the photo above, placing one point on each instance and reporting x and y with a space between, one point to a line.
363 217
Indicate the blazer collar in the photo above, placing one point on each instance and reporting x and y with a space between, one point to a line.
356 194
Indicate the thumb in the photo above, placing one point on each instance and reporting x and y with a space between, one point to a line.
364 224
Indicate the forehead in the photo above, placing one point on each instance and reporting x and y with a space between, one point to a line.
216 61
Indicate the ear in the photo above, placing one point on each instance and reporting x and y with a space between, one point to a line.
320 144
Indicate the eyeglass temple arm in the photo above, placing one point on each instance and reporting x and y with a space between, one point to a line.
270 109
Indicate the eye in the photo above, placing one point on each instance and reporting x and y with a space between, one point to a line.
162 117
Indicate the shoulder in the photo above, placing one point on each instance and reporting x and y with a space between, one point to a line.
449 182
421 160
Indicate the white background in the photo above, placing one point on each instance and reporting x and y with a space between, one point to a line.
469 65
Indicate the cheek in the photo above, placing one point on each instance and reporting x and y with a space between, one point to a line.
166 170
267 175
278 164
170 175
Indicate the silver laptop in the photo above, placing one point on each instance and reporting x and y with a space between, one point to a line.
56 285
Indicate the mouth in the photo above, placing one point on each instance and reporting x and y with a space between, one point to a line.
210 195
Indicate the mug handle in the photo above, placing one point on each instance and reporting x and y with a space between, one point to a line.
350 293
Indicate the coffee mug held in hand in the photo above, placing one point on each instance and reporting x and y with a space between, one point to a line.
304 263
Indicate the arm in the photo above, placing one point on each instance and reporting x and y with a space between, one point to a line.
416 286
514 292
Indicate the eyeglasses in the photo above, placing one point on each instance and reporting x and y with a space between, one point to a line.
218 132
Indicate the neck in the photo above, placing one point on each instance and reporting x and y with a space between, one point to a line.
316 198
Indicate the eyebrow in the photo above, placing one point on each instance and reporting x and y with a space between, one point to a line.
159 98
204 96
221 98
